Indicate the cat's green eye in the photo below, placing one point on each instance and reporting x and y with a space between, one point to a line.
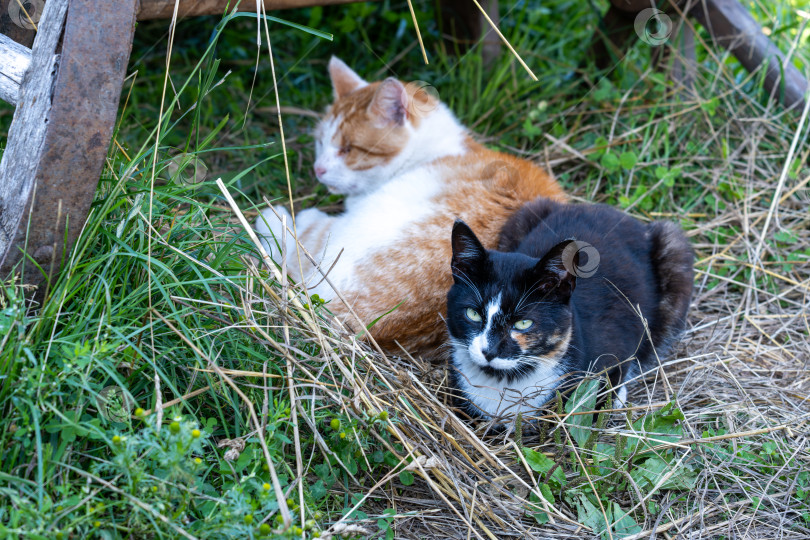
473 315
524 324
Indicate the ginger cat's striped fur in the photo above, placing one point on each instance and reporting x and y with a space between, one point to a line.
409 169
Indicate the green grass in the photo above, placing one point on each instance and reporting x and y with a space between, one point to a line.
160 288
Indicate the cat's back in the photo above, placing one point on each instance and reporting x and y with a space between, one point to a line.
483 171
614 270
541 224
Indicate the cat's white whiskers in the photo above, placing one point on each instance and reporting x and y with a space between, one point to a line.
470 284
522 299
532 304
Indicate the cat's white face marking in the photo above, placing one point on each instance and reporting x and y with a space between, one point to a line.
438 135
480 342
497 398
330 168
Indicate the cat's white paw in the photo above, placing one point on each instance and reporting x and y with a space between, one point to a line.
270 230
620 401
306 218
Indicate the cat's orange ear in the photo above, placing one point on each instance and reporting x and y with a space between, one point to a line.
344 79
390 103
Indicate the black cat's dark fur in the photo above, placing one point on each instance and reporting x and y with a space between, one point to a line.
577 324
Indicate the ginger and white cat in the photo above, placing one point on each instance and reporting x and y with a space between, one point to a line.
408 169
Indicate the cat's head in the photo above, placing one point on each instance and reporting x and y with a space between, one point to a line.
371 132
509 314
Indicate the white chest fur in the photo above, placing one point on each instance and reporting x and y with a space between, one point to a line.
499 398
377 220
370 224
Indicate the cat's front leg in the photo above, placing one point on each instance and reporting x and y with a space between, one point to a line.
270 229
309 225
306 219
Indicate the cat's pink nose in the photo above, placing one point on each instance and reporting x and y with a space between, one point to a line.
319 171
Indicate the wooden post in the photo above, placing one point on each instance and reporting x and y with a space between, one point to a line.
465 24
732 27
61 132
26 137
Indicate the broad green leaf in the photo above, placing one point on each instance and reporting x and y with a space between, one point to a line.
785 237
600 147
610 162
546 492
540 463
623 524
406 478
590 515
628 160
530 129
540 517
583 399
318 490
653 470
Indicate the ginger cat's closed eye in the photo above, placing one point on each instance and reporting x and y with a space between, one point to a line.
408 169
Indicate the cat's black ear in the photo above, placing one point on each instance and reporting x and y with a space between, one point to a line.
390 103
554 274
468 253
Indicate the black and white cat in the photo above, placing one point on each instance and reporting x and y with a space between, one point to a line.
564 295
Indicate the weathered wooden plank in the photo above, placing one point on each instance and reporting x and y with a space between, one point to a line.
14 62
732 27
163 9
26 137
96 44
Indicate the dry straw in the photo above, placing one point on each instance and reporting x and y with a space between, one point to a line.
741 368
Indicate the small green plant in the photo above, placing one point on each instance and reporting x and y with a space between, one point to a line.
595 473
